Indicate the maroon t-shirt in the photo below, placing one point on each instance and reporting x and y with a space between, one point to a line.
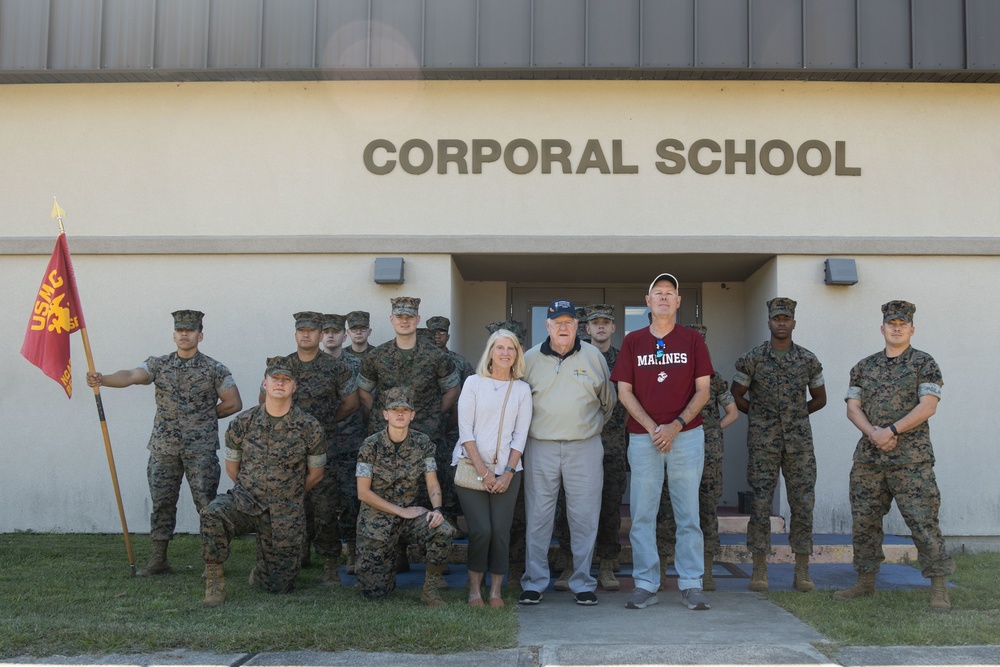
664 385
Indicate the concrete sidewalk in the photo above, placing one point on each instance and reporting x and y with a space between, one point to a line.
742 628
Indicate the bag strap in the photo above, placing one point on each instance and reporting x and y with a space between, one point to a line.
496 454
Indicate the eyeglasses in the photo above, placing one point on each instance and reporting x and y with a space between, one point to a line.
661 348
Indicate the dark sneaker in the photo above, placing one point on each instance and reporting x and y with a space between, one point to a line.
694 599
640 599
530 597
586 598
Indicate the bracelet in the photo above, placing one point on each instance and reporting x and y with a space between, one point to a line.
438 509
681 420
892 427
509 469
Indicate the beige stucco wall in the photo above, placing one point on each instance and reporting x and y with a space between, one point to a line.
286 158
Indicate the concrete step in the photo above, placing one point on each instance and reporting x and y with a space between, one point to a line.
729 522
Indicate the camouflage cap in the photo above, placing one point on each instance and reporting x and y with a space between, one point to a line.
308 319
438 323
405 305
333 321
898 310
516 327
599 310
781 306
358 318
700 328
187 319
279 366
398 397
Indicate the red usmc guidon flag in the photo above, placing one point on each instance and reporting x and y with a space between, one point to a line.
56 315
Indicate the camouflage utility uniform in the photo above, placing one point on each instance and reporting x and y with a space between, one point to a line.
888 389
396 472
428 373
185 434
268 498
779 438
322 385
710 490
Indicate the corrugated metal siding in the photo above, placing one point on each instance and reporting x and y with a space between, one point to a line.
184 40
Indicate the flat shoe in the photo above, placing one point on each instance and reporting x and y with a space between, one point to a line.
476 602
497 603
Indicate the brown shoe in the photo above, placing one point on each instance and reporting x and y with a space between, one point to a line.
940 599
157 560
864 587
606 577
801 581
758 579
562 583
429 594
215 585
331 573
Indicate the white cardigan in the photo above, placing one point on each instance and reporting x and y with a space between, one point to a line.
479 419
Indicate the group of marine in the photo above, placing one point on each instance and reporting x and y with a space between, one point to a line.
293 458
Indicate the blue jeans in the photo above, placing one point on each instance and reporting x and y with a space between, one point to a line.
683 463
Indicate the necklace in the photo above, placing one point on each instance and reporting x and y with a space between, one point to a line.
497 387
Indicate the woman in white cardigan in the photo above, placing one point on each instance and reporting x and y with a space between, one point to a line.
495 449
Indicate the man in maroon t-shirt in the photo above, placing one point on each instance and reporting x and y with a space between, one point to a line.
663 374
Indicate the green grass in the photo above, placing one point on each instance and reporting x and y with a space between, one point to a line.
74 594
903 618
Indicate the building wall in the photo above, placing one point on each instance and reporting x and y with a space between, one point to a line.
252 161
286 158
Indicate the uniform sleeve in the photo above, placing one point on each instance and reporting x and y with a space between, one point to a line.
366 457
151 366
368 375
447 373
744 370
723 396
234 439
315 443
427 448
854 385
223 379
345 379
930 379
815 373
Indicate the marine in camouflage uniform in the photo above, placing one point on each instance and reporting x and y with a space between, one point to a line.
193 391
891 396
777 374
608 545
710 490
274 453
391 465
519 524
429 373
326 391
439 327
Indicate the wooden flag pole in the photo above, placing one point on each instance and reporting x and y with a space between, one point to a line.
59 213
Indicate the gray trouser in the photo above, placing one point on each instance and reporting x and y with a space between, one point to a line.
576 467
489 516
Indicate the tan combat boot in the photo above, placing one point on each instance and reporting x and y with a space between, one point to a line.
157 560
215 585
802 582
940 600
331 575
707 580
429 594
352 556
606 577
758 580
562 583
864 587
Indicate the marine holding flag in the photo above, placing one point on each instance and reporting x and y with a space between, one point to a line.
193 391
55 316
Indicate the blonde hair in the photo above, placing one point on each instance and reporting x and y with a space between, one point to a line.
486 363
